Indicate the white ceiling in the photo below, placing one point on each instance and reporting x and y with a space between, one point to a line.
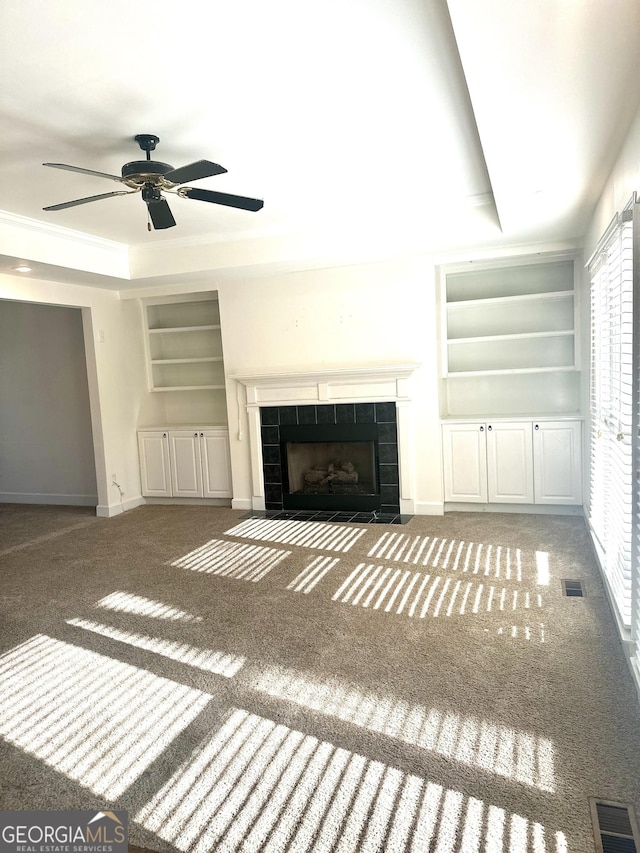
389 125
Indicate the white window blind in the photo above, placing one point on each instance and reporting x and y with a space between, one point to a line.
635 579
611 511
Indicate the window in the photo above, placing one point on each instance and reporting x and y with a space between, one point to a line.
610 507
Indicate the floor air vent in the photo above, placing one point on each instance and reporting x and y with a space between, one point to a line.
572 588
615 827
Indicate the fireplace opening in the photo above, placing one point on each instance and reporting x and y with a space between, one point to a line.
330 466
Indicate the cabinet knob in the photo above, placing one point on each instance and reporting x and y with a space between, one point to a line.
481 429
164 435
195 435
537 426
489 427
201 435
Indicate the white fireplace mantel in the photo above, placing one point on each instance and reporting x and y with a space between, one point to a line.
388 383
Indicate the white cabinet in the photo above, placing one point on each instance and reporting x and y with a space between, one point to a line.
155 469
510 462
557 462
465 462
520 461
216 463
185 463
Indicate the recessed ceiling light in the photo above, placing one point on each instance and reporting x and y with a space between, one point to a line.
21 268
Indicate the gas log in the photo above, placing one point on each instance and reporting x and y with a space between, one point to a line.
336 472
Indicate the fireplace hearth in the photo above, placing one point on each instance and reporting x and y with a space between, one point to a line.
334 457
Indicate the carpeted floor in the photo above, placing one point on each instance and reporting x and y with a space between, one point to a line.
255 685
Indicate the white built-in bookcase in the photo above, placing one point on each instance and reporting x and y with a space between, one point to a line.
510 338
184 357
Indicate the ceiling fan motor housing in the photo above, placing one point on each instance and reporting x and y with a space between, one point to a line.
140 172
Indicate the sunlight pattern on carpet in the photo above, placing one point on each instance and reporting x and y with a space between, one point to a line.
535 633
517 755
256 785
312 574
307 534
219 663
99 721
448 554
232 560
417 594
127 602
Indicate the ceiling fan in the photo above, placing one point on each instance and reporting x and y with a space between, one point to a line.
151 178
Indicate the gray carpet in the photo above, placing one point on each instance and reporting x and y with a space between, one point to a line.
242 685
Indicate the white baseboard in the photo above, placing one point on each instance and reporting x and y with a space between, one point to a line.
241 503
428 508
55 500
111 510
186 501
530 509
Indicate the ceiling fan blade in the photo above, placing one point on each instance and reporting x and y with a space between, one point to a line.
160 214
239 201
194 171
86 200
83 171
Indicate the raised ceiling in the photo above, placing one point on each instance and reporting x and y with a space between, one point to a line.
368 127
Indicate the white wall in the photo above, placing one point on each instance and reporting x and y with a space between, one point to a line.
623 180
355 316
46 442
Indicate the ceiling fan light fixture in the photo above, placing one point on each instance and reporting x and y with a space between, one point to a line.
151 194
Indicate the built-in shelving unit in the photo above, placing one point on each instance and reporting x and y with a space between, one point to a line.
185 346
509 338
184 357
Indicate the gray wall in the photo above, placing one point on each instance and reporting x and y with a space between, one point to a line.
46 444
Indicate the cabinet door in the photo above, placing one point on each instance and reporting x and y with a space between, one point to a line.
557 462
465 462
216 465
186 464
510 462
155 471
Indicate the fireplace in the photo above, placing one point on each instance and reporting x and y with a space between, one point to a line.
331 457
380 395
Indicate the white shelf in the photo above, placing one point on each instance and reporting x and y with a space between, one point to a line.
513 337
185 360
457 374
172 330
509 300
189 388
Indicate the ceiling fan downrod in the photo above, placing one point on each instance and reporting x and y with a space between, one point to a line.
147 142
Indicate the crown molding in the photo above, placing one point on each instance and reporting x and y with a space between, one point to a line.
37 226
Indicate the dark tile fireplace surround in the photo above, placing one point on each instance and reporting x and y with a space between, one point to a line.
374 421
